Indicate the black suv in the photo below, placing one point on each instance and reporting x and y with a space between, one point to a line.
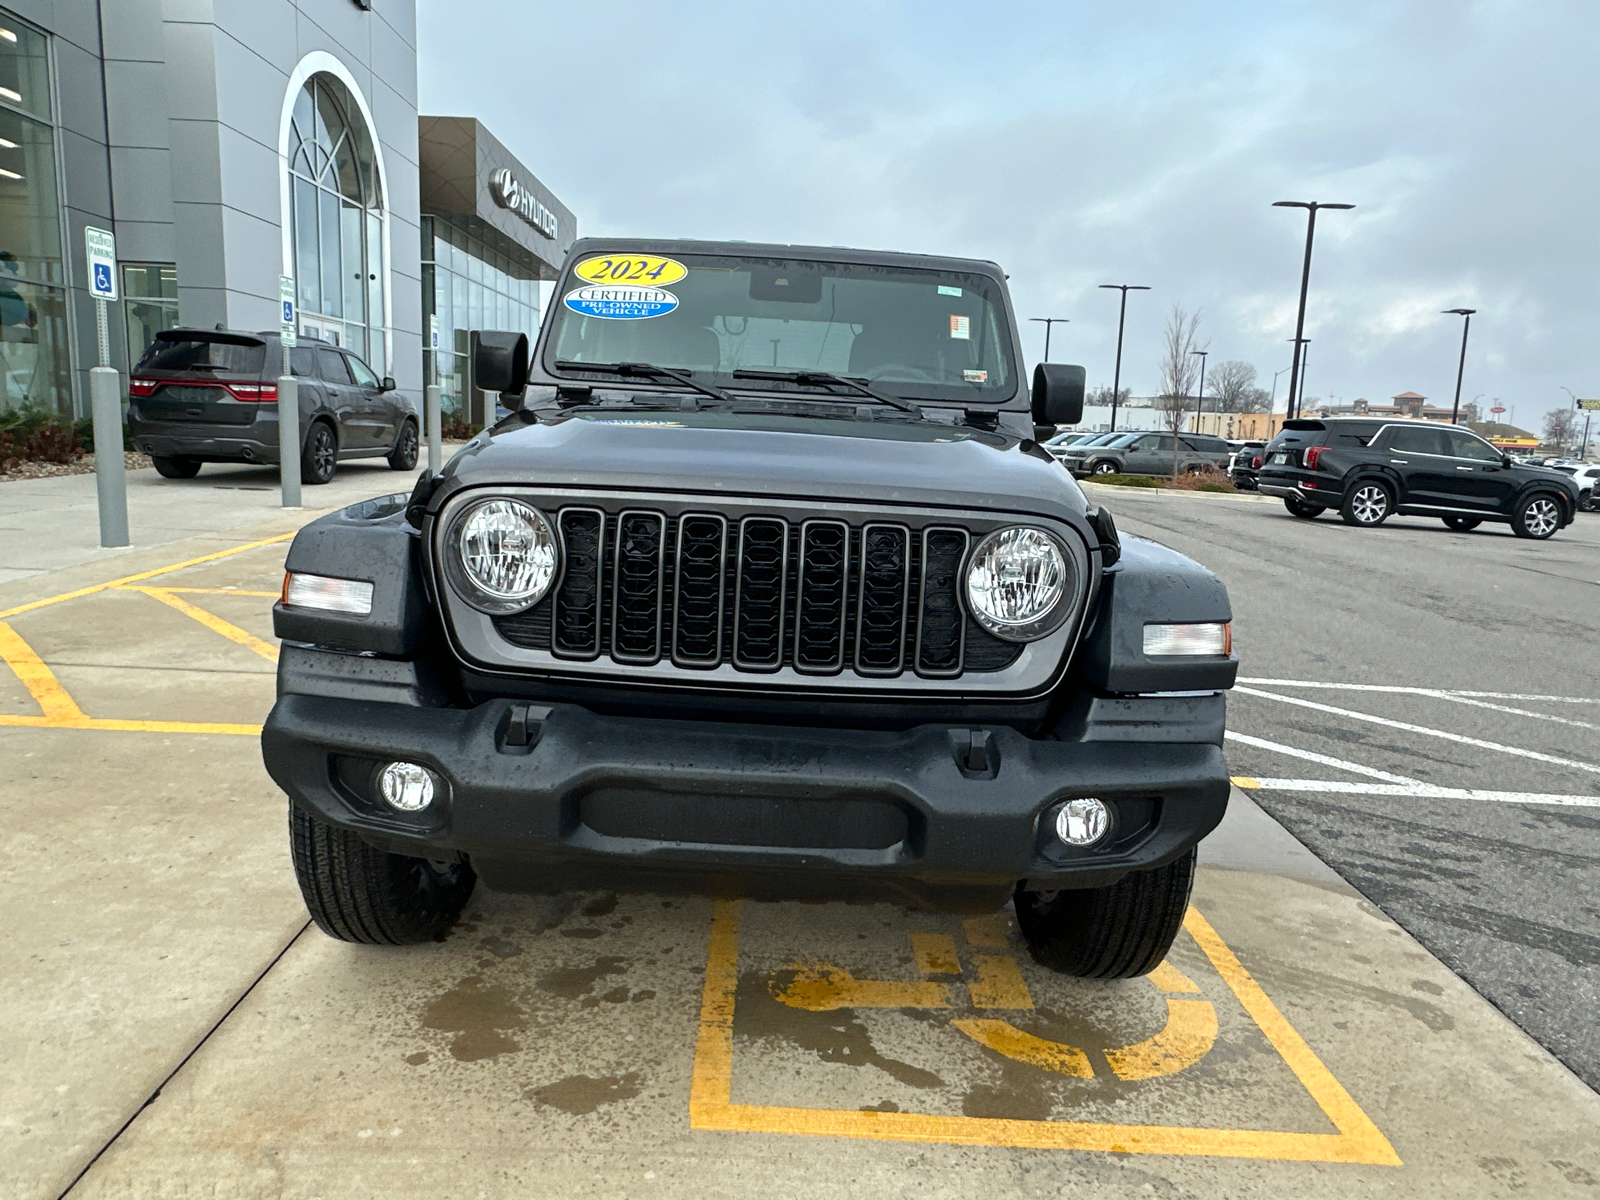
211 395
1370 470
765 585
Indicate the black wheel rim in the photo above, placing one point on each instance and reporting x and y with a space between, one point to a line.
322 452
408 445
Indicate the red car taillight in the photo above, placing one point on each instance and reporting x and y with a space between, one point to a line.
1312 455
265 392
1255 463
143 387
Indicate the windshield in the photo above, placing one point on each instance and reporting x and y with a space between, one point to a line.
916 334
189 354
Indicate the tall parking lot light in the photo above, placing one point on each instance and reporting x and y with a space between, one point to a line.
1200 400
1311 207
1049 324
1122 316
1466 323
1300 357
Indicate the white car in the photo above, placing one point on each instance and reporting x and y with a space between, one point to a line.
1586 476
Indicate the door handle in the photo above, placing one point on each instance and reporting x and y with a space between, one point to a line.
1404 462
1463 468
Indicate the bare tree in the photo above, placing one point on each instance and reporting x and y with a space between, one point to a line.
1255 400
1102 396
1560 426
1180 370
1230 381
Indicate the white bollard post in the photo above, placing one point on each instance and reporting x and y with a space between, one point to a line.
289 435
110 472
432 416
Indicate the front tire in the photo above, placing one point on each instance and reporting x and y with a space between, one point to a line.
1103 467
1462 524
321 457
1367 505
1115 932
1299 508
175 467
1538 517
358 893
404 456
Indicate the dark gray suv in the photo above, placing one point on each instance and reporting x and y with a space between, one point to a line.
211 395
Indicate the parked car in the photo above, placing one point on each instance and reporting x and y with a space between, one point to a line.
1370 470
1243 464
1586 476
211 395
1058 445
785 630
1146 454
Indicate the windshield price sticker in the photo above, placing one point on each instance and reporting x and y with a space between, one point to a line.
646 270
949 291
621 303
961 327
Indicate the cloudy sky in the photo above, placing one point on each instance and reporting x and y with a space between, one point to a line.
1084 143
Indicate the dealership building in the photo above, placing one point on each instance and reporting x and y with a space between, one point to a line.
229 143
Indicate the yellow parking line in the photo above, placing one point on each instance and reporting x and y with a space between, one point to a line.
118 724
1245 781
39 679
211 621
142 575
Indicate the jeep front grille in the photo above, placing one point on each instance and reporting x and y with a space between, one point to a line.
761 594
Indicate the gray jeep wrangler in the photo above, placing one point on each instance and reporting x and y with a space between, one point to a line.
765 587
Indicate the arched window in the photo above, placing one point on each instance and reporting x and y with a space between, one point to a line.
337 215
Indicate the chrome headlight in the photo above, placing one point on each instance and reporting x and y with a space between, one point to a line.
1020 584
501 555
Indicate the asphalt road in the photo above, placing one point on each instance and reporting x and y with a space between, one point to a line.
1422 709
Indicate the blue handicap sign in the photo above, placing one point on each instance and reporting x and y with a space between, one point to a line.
102 277
288 312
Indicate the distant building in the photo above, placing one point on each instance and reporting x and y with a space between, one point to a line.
1405 406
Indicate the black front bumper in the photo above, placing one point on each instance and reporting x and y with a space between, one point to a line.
612 801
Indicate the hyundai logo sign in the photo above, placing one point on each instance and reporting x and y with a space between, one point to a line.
509 192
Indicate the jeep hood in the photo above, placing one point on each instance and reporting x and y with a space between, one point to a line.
922 464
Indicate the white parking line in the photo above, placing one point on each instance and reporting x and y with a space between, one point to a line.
1519 751
1446 694
1418 691
1419 791
1311 756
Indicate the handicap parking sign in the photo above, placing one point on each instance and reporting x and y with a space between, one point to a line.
100 249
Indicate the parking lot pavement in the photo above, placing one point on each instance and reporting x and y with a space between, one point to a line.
1421 708
173 1027
48 524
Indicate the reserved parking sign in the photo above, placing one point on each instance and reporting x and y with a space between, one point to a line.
100 246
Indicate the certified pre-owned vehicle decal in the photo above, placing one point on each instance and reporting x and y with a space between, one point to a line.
621 303
646 270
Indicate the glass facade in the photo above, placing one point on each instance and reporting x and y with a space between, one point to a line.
34 362
468 285
336 210
149 302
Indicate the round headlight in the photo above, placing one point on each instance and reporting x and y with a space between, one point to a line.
503 556
1020 584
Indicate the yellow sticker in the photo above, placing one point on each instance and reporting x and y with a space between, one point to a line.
650 270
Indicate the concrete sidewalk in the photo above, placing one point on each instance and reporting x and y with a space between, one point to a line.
47 524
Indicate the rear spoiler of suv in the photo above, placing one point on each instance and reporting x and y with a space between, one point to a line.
209 335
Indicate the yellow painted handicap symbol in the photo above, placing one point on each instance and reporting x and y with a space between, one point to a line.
996 982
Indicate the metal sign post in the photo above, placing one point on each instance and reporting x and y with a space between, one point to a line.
105 394
288 399
431 414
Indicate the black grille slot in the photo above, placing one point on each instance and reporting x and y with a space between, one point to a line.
697 593
638 588
941 623
760 593
577 600
881 601
821 596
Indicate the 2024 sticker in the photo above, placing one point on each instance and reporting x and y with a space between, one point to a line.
644 270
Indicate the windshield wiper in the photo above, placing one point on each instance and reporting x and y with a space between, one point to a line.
828 377
647 371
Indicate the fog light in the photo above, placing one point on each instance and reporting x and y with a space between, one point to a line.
406 786
1082 822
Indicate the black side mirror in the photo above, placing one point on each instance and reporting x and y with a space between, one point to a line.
1505 461
1057 394
388 384
500 364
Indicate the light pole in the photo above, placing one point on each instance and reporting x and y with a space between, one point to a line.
1122 314
1049 323
1466 323
1311 207
1200 400
1299 362
1583 447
